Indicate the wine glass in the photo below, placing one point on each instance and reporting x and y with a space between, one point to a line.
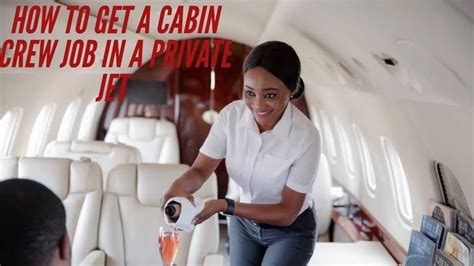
168 241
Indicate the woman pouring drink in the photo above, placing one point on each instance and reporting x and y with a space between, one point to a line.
272 151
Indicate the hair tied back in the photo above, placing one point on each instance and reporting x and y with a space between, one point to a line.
299 89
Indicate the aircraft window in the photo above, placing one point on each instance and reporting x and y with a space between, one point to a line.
345 147
399 181
90 121
366 159
40 131
317 123
67 123
9 125
329 137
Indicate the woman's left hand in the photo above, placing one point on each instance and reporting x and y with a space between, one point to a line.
210 208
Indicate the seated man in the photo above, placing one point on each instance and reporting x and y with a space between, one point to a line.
32 225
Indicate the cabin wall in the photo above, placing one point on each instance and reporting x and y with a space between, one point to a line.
33 88
421 133
38 89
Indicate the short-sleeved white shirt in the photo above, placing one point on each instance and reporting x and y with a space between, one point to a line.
262 164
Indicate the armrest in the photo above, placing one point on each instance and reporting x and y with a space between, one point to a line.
94 258
336 193
213 259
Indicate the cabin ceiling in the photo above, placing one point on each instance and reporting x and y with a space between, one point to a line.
420 50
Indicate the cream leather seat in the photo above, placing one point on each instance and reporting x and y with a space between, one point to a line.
131 217
79 186
107 155
157 140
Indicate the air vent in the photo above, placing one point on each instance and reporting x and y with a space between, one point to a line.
385 59
390 61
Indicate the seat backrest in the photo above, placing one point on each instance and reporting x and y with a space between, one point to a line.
79 186
9 125
157 140
107 155
40 131
131 217
69 119
322 195
90 121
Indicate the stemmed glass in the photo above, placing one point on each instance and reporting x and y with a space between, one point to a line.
168 241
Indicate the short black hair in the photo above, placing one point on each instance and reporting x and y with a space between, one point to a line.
32 223
281 60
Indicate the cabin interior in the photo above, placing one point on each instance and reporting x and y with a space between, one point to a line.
388 84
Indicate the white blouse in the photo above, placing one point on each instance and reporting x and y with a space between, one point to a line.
263 163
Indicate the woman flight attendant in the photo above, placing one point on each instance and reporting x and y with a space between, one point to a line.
272 152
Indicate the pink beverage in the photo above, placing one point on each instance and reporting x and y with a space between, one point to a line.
168 242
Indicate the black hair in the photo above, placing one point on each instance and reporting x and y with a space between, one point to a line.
33 223
281 60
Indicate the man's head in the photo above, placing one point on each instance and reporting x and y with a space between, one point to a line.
32 225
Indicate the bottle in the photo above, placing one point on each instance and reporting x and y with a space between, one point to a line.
173 209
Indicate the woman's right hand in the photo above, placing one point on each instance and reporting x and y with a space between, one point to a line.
192 180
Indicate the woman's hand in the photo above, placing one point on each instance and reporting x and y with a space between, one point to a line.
210 208
192 179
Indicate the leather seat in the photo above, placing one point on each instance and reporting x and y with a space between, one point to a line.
131 217
157 140
107 155
78 184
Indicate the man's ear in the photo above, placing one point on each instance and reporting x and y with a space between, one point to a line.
65 248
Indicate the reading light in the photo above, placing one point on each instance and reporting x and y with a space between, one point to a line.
210 115
213 79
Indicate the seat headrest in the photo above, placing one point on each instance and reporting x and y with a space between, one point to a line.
146 182
8 168
141 129
62 176
91 146
149 182
53 173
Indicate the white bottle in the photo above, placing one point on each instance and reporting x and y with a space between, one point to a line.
186 213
